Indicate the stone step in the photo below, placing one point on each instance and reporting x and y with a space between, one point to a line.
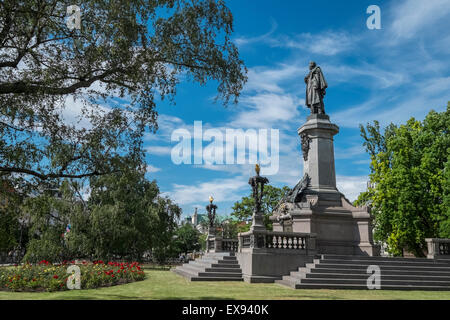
325 257
226 265
192 268
220 254
212 267
402 267
364 287
218 261
383 282
228 261
216 278
350 272
220 274
230 258
292 278
287 283
201 263
403 277
385 262
183 272
384 271
219 269
205 260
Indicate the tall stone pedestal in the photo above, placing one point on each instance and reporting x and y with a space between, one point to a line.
320 208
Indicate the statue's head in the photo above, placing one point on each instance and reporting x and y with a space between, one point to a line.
312 65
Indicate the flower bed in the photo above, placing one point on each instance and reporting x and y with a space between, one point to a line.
53 277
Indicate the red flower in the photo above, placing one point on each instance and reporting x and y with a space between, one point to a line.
55 276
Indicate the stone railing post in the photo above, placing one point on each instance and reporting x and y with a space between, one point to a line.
240 242
431 246
311 245
438 248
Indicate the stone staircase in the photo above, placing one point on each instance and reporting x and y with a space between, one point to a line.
350 272
221 266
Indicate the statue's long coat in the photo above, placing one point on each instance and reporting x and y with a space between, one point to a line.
315 87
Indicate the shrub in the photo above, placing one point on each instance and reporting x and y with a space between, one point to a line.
45 276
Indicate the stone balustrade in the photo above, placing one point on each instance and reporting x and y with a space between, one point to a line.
277 240
438 248
230 245
218 244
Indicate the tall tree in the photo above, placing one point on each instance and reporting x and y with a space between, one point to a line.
409 181
132 49
129 217
187 239
243 209
124 217
12 230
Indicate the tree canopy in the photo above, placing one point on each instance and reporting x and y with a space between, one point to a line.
243 209
124 217
126 54
410 183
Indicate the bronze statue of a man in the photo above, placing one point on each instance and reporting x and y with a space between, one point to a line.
315 89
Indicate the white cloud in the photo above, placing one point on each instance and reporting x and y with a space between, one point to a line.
412 17
152 169
350 152
262 79
351 187
267 110
221 189
327 43
415 102
159 150
365 74
242 41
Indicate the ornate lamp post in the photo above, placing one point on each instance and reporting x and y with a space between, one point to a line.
211 209
257 182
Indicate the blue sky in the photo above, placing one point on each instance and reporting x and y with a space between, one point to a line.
391 74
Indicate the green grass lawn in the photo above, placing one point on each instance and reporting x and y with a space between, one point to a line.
162 284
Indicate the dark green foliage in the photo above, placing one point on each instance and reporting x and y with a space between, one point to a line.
124 217
243 210
187 239
133 49
410 181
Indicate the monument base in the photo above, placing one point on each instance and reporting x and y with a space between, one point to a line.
268 265
340 227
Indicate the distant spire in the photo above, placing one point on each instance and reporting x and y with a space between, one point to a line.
195 217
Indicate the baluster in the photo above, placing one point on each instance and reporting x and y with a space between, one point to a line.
295 242
290 245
